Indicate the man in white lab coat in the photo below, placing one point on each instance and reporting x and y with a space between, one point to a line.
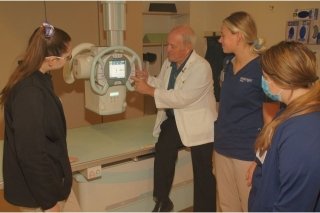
183 94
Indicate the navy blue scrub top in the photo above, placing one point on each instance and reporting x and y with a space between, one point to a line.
288 179
240 111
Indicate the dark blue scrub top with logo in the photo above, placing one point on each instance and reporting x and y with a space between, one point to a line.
288 178
240 111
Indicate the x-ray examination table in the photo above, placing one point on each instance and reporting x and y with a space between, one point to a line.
124 149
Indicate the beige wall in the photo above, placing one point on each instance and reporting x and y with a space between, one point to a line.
80 20
270 17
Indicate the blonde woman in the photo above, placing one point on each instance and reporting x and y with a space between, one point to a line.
287 174
240 116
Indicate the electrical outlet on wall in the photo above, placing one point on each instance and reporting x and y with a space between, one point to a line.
92 173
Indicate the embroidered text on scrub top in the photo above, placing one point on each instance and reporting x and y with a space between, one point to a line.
247 80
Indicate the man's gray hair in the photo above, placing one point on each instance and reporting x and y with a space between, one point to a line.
187 33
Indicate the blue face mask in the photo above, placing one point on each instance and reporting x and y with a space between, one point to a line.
266 90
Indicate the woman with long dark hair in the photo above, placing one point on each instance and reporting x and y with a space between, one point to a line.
36 168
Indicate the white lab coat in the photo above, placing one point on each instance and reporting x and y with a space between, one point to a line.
192 100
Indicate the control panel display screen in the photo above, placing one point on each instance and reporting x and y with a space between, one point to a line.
117 69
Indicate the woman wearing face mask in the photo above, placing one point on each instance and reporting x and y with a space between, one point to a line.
36 169
287 174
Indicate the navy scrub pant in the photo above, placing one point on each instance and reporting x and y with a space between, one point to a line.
166 152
